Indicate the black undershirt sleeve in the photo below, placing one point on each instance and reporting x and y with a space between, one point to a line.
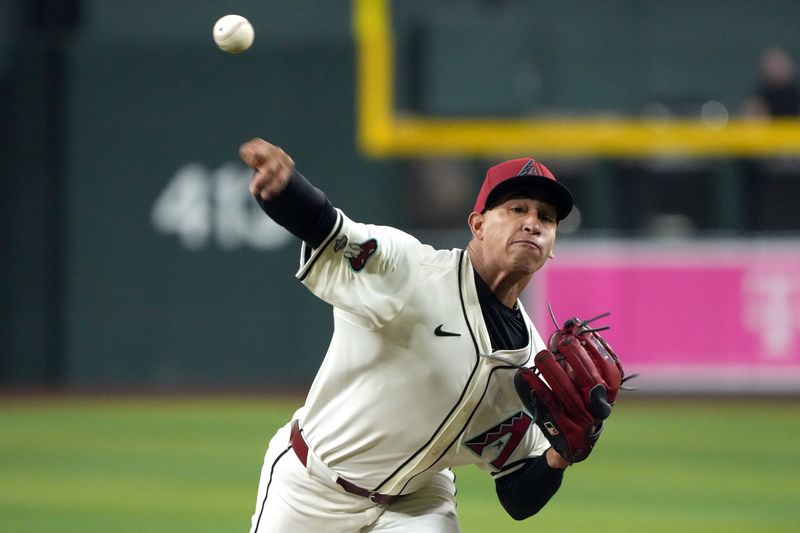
302 209
523 493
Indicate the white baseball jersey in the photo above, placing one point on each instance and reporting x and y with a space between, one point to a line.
409 385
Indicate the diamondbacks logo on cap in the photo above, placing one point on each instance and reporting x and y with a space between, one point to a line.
531 168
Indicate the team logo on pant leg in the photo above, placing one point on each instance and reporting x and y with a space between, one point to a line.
359 254
497 444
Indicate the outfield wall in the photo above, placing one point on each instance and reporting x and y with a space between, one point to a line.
690 316
131 254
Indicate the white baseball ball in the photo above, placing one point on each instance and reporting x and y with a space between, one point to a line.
233 34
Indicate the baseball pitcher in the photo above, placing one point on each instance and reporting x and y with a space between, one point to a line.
433 362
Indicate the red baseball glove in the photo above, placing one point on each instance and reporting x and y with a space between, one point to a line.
572 388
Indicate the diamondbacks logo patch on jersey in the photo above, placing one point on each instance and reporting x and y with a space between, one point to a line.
497 444
359 254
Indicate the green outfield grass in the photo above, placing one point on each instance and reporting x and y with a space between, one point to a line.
191 464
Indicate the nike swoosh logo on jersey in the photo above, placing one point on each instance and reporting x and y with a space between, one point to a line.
439 332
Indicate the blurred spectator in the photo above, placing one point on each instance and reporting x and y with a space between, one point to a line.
777 93
769 181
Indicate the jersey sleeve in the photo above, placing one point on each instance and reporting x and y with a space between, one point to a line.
365 270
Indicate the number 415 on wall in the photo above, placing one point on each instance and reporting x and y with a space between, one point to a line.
214 208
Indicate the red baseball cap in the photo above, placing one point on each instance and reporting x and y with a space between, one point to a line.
523 175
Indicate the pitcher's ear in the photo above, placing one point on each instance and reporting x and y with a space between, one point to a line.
475 222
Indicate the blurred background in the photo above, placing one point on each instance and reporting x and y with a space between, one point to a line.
133 260
132 256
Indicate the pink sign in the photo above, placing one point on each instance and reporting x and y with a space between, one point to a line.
699 311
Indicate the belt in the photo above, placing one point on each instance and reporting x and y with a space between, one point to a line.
301 450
